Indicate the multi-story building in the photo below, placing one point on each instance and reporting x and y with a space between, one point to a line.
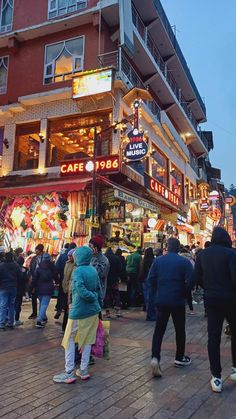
113 52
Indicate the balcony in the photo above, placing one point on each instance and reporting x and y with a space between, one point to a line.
119 61
162 66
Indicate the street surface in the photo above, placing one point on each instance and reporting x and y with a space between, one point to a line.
120 388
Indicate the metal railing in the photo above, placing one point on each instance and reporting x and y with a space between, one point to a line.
194 164
120 62
150 44
203 139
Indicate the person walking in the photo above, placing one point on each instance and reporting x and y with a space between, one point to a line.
133 263
21 286
123 280
187 254
10 274
43 285
34 264
82 324
99 261
112 298
215 272
169 279
144 270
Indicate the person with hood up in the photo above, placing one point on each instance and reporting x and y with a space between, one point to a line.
43 285
215 272
83 316
169 279
10 274
100 261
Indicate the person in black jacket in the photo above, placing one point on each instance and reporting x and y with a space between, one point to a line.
10 274
34 264
43 284
169 279
114 274
21 285
215 272
144 270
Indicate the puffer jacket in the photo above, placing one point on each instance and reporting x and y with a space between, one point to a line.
86 288
10 274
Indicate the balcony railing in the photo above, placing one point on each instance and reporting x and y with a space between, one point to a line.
152 48
203 139
194 164
119 61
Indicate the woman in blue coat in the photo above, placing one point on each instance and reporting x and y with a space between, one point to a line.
83 316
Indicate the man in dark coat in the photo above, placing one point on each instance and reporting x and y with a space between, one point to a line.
215 272
34 264
170 279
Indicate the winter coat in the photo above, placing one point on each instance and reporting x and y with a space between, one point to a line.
86 288
101 264
170 279
34 263
145 268
67 275
10 274
21 282
188 256
215 271
133 262
44 277
114 273
61 263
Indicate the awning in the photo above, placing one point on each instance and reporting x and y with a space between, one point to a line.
186 227
59 186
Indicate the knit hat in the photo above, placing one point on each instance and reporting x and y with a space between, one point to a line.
97 241
2 249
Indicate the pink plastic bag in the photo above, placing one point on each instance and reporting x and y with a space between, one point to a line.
97 348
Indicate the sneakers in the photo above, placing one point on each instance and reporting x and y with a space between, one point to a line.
39 325
83 374
65 377
184 362
10 326
191 313
233 375
216 384
18 323
32 316
57 315
155 368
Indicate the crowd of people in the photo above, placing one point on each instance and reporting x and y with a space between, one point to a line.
88 281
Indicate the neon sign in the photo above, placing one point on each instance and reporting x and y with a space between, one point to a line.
137 148
161 190
108 164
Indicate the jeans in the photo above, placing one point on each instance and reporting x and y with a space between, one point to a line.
18 304
44 301
70 352
7 302
215 318
133 288
178 317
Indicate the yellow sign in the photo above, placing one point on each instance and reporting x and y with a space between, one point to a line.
92 83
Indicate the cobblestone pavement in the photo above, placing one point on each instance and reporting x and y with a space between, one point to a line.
121 388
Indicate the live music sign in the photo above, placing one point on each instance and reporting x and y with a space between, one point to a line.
161 190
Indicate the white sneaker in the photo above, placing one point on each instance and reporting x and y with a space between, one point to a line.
155 367
233 375
216 384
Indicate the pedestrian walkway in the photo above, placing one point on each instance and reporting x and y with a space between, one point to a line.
121 388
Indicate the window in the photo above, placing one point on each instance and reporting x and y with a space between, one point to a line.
61 7
63 59
73 138
176 181
27 146
3 74
159 167
6 15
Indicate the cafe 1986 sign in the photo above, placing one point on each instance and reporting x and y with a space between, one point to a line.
137 148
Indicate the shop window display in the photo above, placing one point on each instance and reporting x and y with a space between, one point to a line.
72 138
176 181
159 167
26 154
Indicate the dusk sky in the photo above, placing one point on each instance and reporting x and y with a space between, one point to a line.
206 32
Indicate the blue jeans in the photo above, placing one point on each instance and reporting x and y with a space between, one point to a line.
7 302
150 308
44 301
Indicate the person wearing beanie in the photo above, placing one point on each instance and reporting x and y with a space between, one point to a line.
170 279
99 261
43 285
83 316
215 272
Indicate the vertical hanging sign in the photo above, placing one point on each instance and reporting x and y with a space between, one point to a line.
137 148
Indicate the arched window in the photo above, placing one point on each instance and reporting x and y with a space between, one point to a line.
63 59
6 15
3 74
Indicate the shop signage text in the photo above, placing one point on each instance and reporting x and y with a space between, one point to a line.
109 164
137 148
161 190
123 196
